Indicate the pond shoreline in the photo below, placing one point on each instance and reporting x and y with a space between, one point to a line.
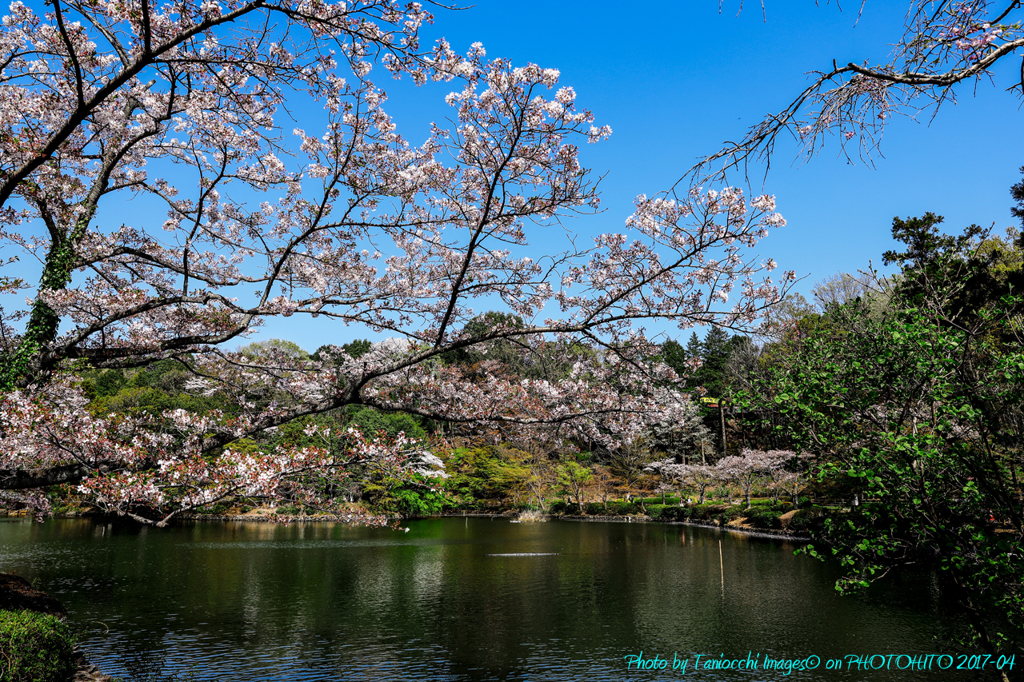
777 534
772 533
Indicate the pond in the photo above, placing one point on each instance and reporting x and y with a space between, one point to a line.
463 599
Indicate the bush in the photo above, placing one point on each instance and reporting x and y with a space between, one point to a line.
706 512
674 513
595 509
619 508
806 520
35 647
731 513
657 499
560 507
655 510
764 518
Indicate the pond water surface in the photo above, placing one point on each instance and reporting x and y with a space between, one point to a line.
460 599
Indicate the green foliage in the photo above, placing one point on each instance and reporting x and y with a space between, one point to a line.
150 390
563 507
731 513
420 501
714 351
810 520
481 325
655 510
763 518
970 272
374 423
354 349
572 477
706 512
35 647
407 497
140 399
674 513
358 348
918 413
674 355
1017 192
109 383
487 475
620 508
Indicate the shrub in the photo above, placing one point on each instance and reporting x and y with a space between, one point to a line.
655 510
619 508
674 513
730 513
560 507
764 518
706 512
595 509
657 499
35 647
806 520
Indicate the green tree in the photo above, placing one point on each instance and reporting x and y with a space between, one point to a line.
967 273
374 423
917 414
714 354
573 478
109 383
675 356
1017 192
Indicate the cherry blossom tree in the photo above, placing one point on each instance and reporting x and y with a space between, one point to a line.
752 467
186 106
946 45
699 476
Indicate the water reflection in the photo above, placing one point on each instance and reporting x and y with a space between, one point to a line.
473 599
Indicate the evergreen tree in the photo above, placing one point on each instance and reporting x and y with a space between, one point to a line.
674 355
714 354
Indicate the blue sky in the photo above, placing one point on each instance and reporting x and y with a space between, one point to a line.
677 79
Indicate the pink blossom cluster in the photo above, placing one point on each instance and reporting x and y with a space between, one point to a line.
162 463
749 469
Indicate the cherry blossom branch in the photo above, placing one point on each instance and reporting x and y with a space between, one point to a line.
943 45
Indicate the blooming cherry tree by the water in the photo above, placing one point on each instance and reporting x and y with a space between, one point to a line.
186 106
752 467
698 476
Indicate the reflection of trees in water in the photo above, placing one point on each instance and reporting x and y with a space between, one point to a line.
256 601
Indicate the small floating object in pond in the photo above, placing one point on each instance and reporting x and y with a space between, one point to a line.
526 554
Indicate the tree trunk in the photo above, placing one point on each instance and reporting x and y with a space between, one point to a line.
721 416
